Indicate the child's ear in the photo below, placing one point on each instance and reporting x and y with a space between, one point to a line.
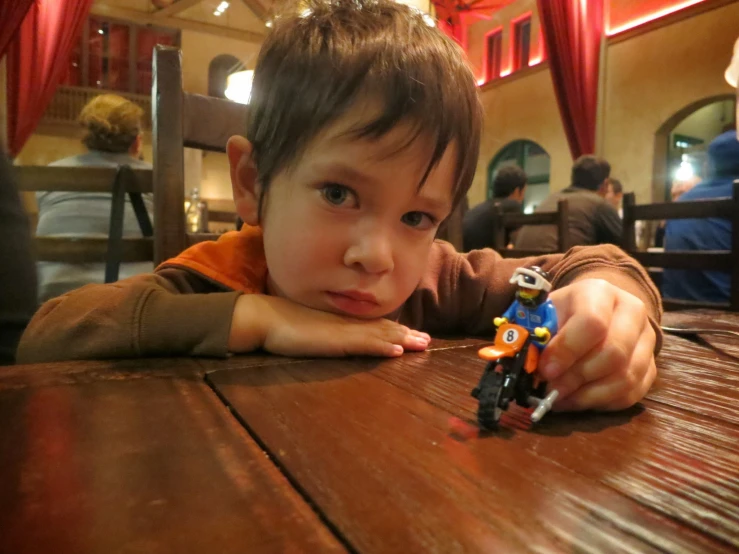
246 189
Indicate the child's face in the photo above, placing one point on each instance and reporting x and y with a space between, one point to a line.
346 229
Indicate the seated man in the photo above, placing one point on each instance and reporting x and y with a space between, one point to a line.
509 188
711 233
592 220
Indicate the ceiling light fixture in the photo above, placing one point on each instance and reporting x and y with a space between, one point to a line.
221 8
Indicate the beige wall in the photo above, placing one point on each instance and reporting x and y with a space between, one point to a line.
652 76
522 108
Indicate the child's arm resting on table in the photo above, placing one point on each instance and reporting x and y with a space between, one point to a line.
174 312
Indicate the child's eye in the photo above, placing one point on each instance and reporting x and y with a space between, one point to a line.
419 220
338 194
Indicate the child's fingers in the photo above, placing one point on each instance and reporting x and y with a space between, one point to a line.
613 355
386 338
618 390
586 327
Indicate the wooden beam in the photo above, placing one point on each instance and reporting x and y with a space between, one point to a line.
89 250
175 8
146 18
258 9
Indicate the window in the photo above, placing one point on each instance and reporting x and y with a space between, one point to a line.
521 43
219 69
493 54
113 55
534 160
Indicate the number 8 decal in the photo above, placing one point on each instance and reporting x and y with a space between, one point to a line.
510 336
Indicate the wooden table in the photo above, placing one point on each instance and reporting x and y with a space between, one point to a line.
266 454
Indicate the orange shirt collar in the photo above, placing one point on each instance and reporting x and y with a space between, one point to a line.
236 260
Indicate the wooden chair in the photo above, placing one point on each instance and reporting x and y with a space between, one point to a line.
509 221
699 260
180 120
112 180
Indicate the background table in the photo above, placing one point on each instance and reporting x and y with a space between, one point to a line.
266 454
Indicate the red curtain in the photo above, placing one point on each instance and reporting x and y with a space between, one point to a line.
37 60
573 30
11 17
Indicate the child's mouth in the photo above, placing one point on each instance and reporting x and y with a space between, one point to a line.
353 302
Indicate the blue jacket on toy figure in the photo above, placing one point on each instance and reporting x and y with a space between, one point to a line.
532 309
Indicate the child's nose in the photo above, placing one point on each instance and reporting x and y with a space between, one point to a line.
372 251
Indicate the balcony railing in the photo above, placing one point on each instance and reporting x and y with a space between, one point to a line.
67 103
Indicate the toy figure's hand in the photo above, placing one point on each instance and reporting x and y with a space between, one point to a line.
542 333
284 327
498 321
603 355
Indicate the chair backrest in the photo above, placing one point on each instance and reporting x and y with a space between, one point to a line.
180 120
699 260
510 221
85 179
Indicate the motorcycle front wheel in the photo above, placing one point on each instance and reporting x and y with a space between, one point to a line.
489 410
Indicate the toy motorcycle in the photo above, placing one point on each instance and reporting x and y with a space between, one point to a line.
511 375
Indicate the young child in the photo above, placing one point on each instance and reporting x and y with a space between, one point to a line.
363 135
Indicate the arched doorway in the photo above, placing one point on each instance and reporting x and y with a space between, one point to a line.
680 143
218 71
530 157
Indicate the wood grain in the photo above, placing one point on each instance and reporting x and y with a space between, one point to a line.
155 465
78 179
168 153
90 250
355 435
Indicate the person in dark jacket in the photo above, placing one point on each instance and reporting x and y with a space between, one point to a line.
592 219
711 233
17 270
509 188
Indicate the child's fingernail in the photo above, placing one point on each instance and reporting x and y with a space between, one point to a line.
397 349
421 341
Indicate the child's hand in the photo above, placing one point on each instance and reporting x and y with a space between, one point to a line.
603 355
284 327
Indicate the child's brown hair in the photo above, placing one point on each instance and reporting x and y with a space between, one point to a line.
328 55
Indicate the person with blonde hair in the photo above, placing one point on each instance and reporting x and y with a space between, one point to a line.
113 138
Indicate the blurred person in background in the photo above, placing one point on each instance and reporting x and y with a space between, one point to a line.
704 234
113 138
509 189
592 219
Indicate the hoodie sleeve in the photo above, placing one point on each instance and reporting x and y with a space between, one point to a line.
133 317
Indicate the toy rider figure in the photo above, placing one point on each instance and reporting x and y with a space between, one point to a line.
531 309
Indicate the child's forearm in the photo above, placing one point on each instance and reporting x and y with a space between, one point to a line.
146 315
249 323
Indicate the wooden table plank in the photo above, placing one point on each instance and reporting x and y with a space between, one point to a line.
382 465
662 441
141 465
